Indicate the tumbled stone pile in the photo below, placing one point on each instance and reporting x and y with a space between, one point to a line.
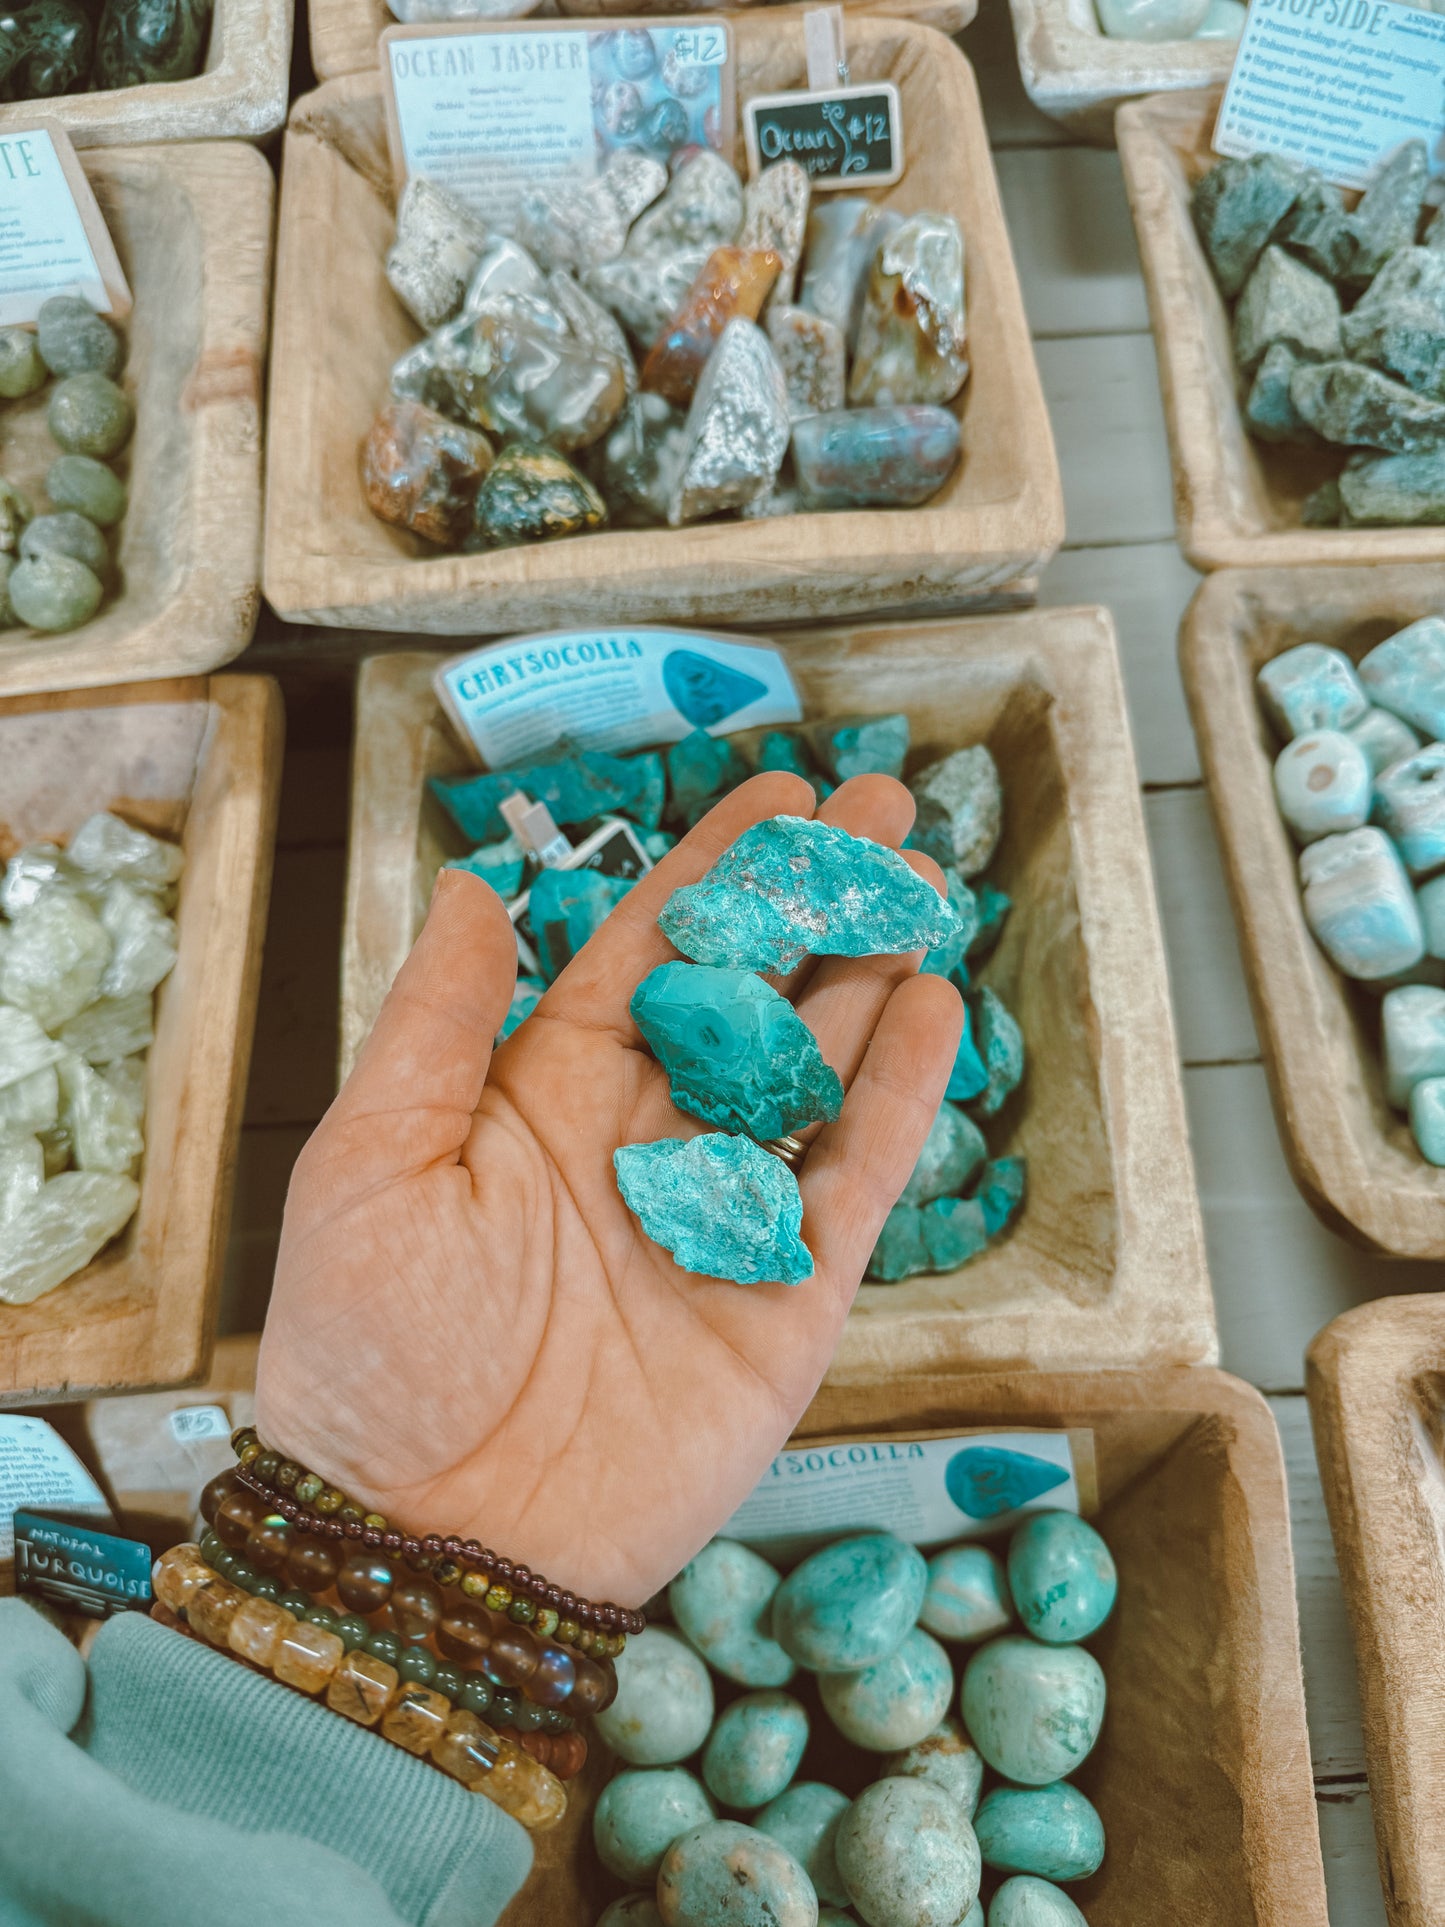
53 47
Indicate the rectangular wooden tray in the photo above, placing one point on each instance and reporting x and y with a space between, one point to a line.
1351 1155
1236 501
1375 1381
240 94
198 760
339 328
192 227
1075 72
1107 1264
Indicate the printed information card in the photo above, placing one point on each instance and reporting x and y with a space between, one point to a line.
52 237
1335 84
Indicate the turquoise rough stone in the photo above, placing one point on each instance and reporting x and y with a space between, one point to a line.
525 999
786 749
993 906
1322 784
804 1819
851 1603
664 1705
566 908
700 769
1406 675
960 810
986 1481
1410 806
639 1815
862 746
953 1150
1034 1711
721 1205
1412 1029
1382 739
897 1701
948 959
1237 206
908 1856
1000 1193
948 1759
1051 1831
1427 1118
967 1597
1063 1581
969 1077
755 1749
1026 1901
503 865
1001 1044
791 887
727 1875
736 1053
574 786
723 1601
1360 906
939 1236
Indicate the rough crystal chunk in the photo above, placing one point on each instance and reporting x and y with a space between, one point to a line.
737 428
912 332
939 1236
31 1104
950 958
502 864
22 1174
1398 323
104 1127
1269 408
1237 206
421 471
575 787
953 1150
534 495
1284 301
61 1230
790 888
110 1029
700 769
1388 214
893 457
721 1205
813 357
960 810
55 958
107 846
861 745
24 1046
844 235
1317 228
143 941
1377 491
1001 1046
775 215
439 241
1346 402
566 909
33 870
734 282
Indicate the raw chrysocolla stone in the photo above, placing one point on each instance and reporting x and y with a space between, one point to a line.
106 846
1151 19
67 533
1322 785
55 958
861 745
72 338
736 1053
421 471
721 1205
1410 807
960 810
844 235
641 458
1359 904
575 786
515 369
952 1152
893 457
525 999
142 41
439 241
1376 491
566 909
790 888
737 428
787 749
1317 228
103 1126
949 959
1388 214
940 1236
813 357
88 414
143 941
1237 206
734 282
992 906
592 324
700 769
1398 324
1000 1193
110 1030
1284 301
1406 675
969 1077
502 864
775 215
80 482
1346 402
912 332
533 494
1001 1046
21 369
61 1229
53 592
1311 687
1269 408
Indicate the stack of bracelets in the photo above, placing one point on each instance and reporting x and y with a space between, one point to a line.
445 1648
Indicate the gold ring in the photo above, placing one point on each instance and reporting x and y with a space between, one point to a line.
789 1149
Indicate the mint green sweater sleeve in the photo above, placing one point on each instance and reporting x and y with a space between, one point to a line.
173 1786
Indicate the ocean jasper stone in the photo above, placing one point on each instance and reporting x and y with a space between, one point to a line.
1322 785
1237 206
889 457
1151 19
1026 1901
1348 403
727 1875
1382 739
502 268
912 332
1427 1118
1388 215
631 1910
1309 688
421 471
1034 1711
791 887
895 1702
515 370
664 1702
1359 904
641 458
722 1599
843 237
721 1205
89 415
907 1856
533 495
1000 1044
861 746
1409 803
948 1759
755 1749
1380 491
1062 1578
813 356
66 533
592 324
700 769
1398 323
953 1150
737 428
53 592
1268 407
566 909
775 215
21 369
575 788
150 40
81 483
804 1819
850 1604
525 999
439 242
734 281
1284 301
639 1815
1412 1028
1051 1831
960 810
73 339
1406 675
967 1596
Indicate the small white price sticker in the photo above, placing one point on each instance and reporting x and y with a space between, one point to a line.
193 1422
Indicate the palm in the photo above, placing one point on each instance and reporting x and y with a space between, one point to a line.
469 1327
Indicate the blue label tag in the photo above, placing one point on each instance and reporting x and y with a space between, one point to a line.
79 1569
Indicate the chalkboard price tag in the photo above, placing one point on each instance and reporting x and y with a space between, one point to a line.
844 136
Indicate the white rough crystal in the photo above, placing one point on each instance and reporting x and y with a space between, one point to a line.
31 1103
28 873
129 1077
104 1126
55 959
63 1227
105 846
22 1173
143 941
24 1046
113 1028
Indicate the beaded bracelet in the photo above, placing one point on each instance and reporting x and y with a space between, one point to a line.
524 1780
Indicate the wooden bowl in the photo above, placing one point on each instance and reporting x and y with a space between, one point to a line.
192 227
198 760
1106 1265
1078 74
339 328
1351 1155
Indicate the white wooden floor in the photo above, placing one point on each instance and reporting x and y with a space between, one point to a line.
1278 1274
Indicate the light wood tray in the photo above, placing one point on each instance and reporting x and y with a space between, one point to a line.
1236 501
1080 75
1351 1155
1376 1383
240 94
198 760
339 329
192 226
1107 1263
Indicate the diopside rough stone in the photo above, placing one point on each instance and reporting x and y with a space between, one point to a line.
1284 301
723 1207
1346 402
1398 323
1237 206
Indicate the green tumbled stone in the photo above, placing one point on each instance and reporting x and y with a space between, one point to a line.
948 958
150 40
74 340
566 908
721 1205
953 1150
1268 408
1284 301
736 1052
531 494
1398 323
21 369
1388 215
1001 1046
1000 1193
7 614
862 746
45 50
67 533
1348 403
54 592
89 415
960 810
503 865
700 769
80 482
1237 206
790 887
525 999
575 788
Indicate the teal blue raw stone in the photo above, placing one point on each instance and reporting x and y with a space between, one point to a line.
722 1600
639 1815
953 1150
575 786
969 1077
804 1819
1050 1831
503 865
987 1481
566 908
1427 1118
851 1603
755 1749
895 1702
993 907
1001 1045
721 1205
939 1236
947 960
525 999
736 1053
1001 1192
657 843
791 887
786 749
1063 1581
862 746
1026 1901
700 769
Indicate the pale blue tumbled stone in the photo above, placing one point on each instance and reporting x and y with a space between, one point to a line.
723 1207
897 1701
664 1702
722 1600
907 1856
631 1910
755 1749
805 1819
1322 784
953 1150
1383 738
1427 1118
967 1597
1000 1044
1412 1031
726 1874
1033 1711
1311 687
1025 1901
1051 1831
1062 1577
851 1603
1410 807
1359 904
639 1815
1406 675
947 1758
1430 898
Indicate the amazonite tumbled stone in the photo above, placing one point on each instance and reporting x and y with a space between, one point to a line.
722 1600
974 1916
1062 1577
1026 1901
850 1604
805 1820
1427 1118
1360 906
728 1875
639 1815
89 415
664 1702
631 1910
1033 1711
1409 802
1406 674
1051 1831
1383 738
907 1856
755 1749
1322 784
895 1702
948 1759
1311 687
967 1596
